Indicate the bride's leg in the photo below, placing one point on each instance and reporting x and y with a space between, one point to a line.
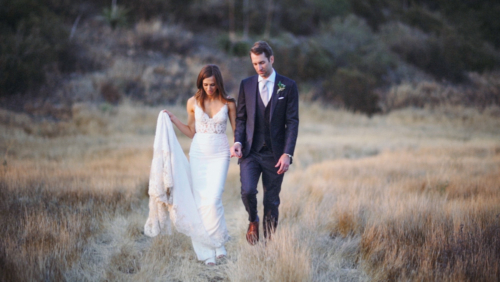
210 205
220 252
210 262
204 253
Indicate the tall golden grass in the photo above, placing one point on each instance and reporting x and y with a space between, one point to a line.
408 196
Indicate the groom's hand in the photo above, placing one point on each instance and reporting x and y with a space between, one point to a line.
236 150
283 164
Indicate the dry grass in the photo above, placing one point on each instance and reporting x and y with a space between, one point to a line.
427 214
481 92
412 195
49 214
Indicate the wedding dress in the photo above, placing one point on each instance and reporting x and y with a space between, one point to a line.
209 158
191 191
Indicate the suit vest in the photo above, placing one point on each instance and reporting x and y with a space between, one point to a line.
261 134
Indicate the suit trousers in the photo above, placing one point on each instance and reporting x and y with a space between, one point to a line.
251 167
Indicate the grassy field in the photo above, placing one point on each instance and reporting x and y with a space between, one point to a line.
408 196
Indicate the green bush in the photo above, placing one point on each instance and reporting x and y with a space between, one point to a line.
352 89
327 9
447 55
301 58
116 16
296 17
373 11
21 63
238 48
424 19
352 44
34 42
175 10
460 34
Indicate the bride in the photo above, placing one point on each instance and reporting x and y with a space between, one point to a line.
208 112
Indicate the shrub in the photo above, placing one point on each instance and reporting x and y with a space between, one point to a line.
296 17
352 44
199 15
447 56
34 42
154 35
239 48
352 89
301 58
115 16
110 93
482 92
327 9
423 19
151 9
371 10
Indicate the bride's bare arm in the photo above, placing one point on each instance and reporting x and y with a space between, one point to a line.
232 114
189 128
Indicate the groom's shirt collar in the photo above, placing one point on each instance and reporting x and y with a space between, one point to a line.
270 84
271 78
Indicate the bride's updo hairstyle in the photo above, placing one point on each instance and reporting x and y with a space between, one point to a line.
206 72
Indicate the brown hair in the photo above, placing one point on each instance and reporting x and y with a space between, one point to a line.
260 47
206 72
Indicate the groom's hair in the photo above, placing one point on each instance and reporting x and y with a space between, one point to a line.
260 47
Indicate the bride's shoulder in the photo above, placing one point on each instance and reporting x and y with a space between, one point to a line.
191 102
231 105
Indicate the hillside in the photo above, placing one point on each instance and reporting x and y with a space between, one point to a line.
363 55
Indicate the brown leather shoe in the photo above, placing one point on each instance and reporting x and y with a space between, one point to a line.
253 233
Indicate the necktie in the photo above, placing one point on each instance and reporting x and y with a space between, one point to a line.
264 93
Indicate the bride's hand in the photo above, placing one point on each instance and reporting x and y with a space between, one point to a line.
170 115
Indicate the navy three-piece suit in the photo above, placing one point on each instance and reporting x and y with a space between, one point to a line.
266 133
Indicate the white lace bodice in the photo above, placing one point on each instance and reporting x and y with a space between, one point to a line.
217 124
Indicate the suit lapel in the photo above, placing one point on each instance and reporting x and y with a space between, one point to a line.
251 98
274 97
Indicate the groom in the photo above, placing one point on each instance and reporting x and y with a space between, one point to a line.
267 123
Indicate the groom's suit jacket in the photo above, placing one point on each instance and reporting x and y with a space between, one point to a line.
283 117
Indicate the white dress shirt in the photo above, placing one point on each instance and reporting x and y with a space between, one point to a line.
270 84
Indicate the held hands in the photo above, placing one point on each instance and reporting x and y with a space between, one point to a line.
283 164
236 150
